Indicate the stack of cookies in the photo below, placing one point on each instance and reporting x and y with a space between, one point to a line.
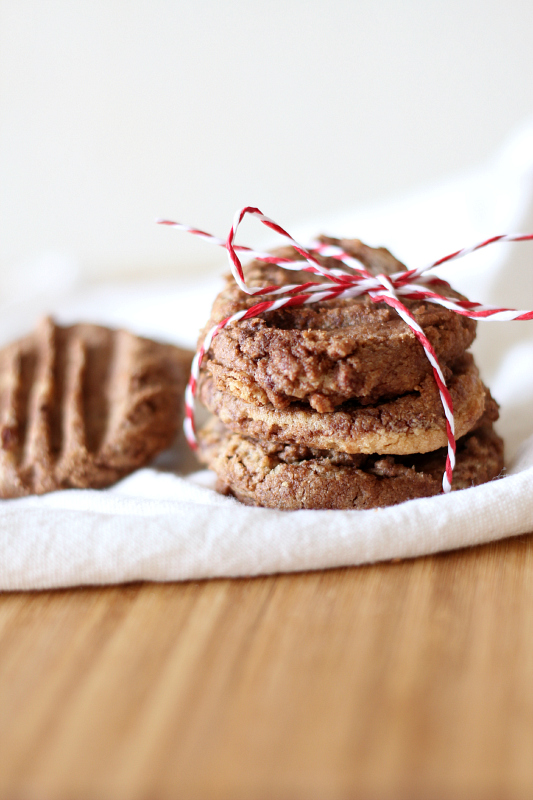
334 404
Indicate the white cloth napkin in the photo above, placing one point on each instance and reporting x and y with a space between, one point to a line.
167 523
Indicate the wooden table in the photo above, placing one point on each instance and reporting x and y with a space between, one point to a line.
406 680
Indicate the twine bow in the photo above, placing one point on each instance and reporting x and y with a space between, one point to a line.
349 279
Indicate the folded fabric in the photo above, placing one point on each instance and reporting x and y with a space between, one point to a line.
167 522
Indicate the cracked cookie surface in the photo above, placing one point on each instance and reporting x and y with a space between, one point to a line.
292 477
327 353
411 423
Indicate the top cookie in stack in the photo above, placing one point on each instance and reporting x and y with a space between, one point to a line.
330 405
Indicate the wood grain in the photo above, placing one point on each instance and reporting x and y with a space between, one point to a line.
408 680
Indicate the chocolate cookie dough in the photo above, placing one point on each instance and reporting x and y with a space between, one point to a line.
82 406
411 423
294 477
329 352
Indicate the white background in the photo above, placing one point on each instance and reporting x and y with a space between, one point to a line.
113 113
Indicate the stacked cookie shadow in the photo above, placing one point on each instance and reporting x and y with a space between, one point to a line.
334 404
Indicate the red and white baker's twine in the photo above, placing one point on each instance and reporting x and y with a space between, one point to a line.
342 283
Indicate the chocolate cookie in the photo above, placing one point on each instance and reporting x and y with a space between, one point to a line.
82 406
295 477
327 353
412 423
